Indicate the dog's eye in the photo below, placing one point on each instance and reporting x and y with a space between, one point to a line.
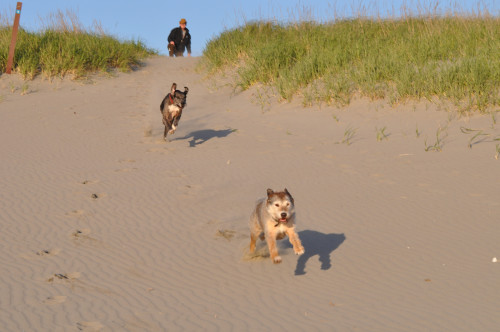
277 205
287 204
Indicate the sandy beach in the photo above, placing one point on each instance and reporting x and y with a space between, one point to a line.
106 227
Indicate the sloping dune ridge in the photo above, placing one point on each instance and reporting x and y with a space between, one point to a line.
106 227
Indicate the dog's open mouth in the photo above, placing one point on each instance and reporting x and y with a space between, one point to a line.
280 220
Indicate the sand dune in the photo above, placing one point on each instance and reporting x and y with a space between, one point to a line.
105 227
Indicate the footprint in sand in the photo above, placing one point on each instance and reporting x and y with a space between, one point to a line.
89 181
126 169
64 277
225 233
161 150
260 254
52 300
40 253
148 132
48 252
75 213
89 326
82 236
121 161
96 196
73 281
126 161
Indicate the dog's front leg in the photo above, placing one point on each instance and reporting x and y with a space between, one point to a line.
167 121
273 250
295 241
176 122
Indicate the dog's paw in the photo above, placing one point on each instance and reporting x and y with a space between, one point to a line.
299 251
277 260
171 131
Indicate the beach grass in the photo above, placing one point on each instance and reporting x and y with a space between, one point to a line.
451 57
63 46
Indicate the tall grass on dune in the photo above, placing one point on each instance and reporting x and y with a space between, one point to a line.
453 57
63 47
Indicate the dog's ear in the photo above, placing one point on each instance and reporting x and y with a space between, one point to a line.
173 88
270 192
186 90
289 195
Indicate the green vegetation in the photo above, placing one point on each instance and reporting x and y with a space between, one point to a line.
64 47
438 145
348 136
451 57
381 134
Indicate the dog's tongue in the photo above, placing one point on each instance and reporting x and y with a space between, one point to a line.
283 220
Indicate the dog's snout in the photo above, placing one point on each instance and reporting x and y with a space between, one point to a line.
283 215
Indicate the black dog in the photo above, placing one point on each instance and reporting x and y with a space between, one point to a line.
171 109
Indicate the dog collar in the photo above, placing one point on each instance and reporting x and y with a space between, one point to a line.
170 96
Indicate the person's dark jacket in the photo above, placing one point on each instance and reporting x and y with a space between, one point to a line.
180 43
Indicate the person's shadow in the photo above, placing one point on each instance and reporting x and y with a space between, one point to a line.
316 243
201 136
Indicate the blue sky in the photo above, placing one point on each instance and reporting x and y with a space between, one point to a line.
151 21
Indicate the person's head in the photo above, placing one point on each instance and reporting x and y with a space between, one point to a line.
182 23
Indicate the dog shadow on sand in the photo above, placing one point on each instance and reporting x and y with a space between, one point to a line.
317 244
201 136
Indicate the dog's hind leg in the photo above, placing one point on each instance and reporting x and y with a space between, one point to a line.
168 127
255 231
273 250
253 239
165 132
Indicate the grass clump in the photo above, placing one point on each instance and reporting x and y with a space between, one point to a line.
64 47
453 57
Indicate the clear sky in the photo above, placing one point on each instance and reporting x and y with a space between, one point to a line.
151 21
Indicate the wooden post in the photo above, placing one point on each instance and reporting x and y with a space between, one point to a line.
12 47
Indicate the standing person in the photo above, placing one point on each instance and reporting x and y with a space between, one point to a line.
179 39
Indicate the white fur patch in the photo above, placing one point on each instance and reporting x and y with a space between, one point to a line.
174 110
281 228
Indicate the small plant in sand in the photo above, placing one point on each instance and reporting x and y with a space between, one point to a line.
494 118
381 134
498 151
478 136
438 145
417 132
262 98
348 136
25 89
